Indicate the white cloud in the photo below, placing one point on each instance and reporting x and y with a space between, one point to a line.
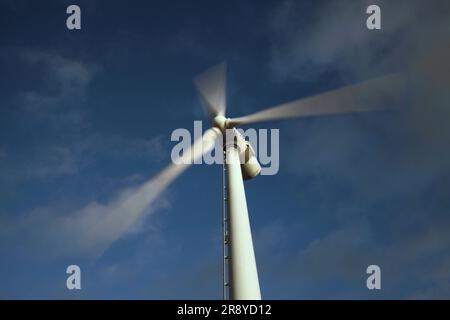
57 106
56 100
333 37
91 229
396 165
53 161
70 77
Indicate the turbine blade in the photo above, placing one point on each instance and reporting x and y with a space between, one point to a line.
372 95
211 87
133 204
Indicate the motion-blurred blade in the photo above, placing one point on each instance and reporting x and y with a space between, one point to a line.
377 94
133 204
211 87
151 189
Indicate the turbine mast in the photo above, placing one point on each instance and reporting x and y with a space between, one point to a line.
244 283
225 238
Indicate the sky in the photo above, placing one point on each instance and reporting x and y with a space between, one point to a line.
86 118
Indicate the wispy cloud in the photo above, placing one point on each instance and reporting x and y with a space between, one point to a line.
58 107
392 169
54 106
333 37
63 84
90 229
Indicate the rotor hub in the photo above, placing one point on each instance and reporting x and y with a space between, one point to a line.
220 122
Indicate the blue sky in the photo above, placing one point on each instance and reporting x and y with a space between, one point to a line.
86 116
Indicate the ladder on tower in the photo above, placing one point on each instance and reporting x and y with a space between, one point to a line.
225 234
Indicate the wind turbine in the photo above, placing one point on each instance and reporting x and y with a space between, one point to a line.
239 258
